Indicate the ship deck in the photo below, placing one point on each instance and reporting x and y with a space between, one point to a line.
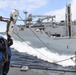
18 71
34 71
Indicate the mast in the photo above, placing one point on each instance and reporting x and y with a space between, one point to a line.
69 20
66 23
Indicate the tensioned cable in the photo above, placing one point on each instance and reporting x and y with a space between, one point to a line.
43 54
65 59
44 44
32 47
36 35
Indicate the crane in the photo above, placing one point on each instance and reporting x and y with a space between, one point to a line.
40 17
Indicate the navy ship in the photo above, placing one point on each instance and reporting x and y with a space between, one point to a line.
42 31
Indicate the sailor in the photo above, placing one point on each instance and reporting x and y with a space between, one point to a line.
7 64
2 52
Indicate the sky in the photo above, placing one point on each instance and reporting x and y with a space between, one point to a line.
36 7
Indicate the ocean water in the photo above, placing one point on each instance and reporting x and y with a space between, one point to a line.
42 54
24 59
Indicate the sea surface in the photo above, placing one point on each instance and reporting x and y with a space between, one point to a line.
24 59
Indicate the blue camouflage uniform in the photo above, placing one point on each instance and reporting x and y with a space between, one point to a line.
7 64
1 54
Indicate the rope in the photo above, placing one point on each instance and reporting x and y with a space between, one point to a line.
32 47
44 55
37 36
64 59
44 45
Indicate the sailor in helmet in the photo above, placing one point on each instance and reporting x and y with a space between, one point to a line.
2 54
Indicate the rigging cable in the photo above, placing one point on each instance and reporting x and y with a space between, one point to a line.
64 59
36 36
44 55
32 47
44 44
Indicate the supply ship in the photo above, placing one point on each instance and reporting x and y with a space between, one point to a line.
41 31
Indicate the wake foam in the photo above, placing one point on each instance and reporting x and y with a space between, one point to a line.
42 53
